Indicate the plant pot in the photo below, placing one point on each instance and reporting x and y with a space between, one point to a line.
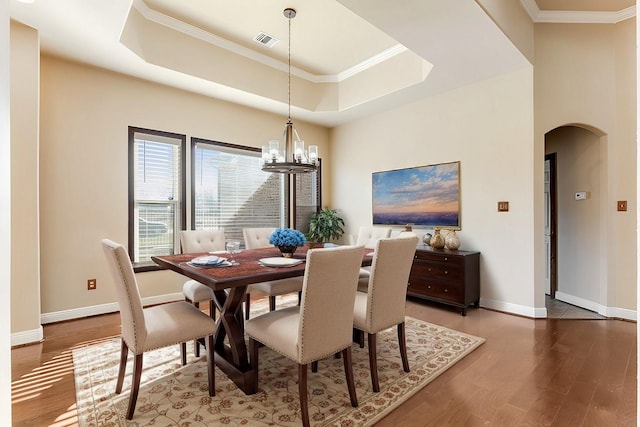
287 251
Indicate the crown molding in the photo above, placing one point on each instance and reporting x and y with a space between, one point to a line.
371 62
575 17
193 31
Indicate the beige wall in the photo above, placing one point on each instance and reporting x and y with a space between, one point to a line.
585 74
5 215
25 250
488 127
83 143
579 168
514 21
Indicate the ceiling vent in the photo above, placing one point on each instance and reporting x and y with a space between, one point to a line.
265 39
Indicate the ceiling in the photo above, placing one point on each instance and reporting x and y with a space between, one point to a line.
349 58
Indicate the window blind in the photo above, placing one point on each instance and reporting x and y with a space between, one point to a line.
231 192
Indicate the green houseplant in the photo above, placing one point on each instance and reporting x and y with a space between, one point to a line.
325 226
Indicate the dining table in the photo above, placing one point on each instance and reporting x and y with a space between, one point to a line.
229 284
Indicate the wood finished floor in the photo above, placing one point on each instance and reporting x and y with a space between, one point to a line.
528 373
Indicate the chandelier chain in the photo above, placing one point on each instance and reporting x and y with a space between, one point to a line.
289 82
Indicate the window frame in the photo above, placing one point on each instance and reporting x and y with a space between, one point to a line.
181 217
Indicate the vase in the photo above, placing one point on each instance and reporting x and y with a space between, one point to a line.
452 241
426 239
437 241
287 251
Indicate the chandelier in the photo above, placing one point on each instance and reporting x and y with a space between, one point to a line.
292 158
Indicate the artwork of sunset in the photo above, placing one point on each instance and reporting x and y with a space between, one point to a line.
422 196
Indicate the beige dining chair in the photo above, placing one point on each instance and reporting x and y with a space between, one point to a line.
321 325
256 238
193 241
368 237
145 329
383 304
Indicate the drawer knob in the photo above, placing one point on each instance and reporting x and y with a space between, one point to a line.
446 259
429 268
446 272
428 286
446 290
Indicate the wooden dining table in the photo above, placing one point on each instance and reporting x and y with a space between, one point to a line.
229 285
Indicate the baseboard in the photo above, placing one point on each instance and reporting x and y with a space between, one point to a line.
27 337
581 302
622 313
613 312
520 310
94 310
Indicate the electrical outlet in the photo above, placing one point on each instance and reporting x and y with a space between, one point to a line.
91 284
581 195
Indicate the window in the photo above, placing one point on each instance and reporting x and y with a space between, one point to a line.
230 191
156 194
307 197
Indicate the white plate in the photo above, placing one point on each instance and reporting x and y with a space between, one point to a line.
280 262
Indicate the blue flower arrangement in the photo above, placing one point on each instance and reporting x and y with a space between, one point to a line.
287 237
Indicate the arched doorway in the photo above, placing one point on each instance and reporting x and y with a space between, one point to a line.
575 231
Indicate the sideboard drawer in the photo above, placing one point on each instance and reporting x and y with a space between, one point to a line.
441 258
438 270
450 292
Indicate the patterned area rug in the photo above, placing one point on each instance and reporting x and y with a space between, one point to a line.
171 395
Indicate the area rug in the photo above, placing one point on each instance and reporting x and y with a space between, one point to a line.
172 395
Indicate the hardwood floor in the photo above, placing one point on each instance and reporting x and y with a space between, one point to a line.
528 373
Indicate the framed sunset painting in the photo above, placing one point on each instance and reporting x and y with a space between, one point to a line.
427 196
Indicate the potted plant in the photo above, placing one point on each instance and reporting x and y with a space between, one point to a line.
325 226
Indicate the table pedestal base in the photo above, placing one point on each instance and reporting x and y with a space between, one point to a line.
244 379
233 359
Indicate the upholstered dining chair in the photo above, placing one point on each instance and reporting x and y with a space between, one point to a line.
145 329
365 272
194 291
256 238
321 325
368 237
383 304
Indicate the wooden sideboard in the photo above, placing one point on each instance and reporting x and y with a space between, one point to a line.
446 276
